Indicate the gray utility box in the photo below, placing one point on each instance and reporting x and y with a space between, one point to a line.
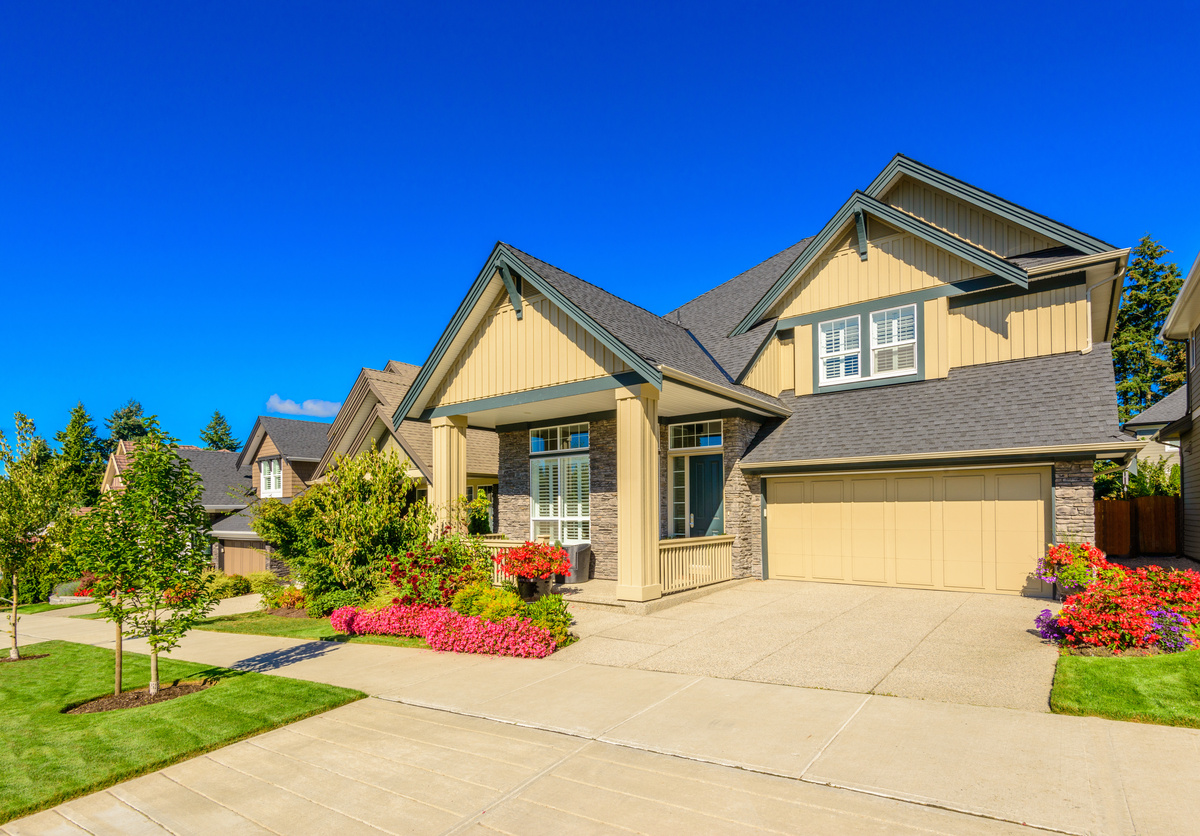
580 555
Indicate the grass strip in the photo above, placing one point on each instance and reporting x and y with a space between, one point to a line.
1161 689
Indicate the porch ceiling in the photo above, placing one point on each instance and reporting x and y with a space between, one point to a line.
676 399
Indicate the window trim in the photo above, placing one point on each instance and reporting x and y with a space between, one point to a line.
560 497
720 446
875 347
265 475
560 450
822 355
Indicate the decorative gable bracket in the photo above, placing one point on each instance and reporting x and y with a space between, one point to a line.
510 285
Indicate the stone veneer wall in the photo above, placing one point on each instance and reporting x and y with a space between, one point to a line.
743 498
513 491
1074 511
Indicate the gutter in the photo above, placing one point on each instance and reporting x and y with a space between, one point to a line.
716 389
1124 447
1072 265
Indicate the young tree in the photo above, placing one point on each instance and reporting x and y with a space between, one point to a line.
146 544
218 435
126 422
1147 367
30 502
81 452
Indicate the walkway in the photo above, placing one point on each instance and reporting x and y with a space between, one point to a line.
946 646
646 750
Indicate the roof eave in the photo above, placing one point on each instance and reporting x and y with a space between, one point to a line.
1096 448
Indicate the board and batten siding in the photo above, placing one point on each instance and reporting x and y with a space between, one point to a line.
1051 322
506 355
895 264
765 375
965 220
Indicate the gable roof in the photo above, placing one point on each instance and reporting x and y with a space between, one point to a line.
901 165
1064 401
226 485
647 343
297 440
860 202
1166 410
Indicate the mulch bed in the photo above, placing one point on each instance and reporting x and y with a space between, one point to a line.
1104 651
290 613
25 658
132 699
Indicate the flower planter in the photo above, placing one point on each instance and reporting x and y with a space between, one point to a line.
530 589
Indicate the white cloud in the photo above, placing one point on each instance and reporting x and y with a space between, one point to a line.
313 408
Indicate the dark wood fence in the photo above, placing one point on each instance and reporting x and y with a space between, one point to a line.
1142 526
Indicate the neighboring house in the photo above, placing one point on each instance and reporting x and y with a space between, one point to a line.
1183 324
912 397
1147 424
281 458
365 420
227 485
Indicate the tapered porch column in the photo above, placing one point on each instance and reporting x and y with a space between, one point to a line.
449 466
637 494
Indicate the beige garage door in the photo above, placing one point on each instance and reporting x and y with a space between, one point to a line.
977 530
243 557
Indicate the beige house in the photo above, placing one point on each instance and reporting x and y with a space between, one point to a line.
365 421
1183 323
227 486
914 396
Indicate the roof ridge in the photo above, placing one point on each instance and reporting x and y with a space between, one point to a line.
804 240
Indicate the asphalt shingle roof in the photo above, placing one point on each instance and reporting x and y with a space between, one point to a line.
1044 258
1060 400
297 439
224 483
1165 411
653 338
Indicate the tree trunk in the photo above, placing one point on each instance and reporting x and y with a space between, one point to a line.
153 672
117 665
14 652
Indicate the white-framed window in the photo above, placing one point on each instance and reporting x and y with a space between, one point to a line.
894 341
838 348
554 439
560 489
270 477
699 435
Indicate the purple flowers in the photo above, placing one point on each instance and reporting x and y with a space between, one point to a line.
1171 629
1048 627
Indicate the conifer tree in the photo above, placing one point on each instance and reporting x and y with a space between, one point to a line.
126 422
1147 367
218 435
81 452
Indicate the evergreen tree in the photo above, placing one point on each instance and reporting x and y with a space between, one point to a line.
81 452
218 435
125 423
1147 367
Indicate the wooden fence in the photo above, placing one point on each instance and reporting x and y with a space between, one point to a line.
1145 525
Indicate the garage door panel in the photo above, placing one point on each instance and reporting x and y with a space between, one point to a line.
914 531
828 529
972 529
868 546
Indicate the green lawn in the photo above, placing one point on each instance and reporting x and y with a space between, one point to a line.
264 624
31 609
1148 689
47 756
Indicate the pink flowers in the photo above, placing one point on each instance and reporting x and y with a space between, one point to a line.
444 629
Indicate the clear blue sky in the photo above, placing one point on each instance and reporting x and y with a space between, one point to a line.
206 204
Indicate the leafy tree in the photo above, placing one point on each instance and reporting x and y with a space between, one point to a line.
339 533
1147 366
30 502
1154 478
218 435
125 423
81 452
145 544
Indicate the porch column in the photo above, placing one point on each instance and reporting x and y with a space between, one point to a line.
449 466
637 494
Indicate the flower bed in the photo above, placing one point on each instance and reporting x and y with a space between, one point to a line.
1121 609
534 560
444 629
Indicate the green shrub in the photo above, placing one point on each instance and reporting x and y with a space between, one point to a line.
65 590
264 583
227 586
488 603
331 601
550 613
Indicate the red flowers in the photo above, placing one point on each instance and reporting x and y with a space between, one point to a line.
1115 610
534 560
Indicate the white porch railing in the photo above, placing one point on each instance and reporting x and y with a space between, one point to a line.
691 562
494 544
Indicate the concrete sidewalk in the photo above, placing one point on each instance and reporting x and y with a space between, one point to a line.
1067 774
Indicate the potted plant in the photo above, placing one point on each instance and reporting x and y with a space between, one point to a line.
534 564
1071 567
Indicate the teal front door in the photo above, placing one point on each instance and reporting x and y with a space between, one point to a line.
706 477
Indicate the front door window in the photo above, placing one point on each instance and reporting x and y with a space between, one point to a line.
697 486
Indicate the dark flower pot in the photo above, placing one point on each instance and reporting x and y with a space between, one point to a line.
527 588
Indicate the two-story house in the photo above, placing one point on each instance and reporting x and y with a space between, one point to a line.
1183 324
914 396
226 484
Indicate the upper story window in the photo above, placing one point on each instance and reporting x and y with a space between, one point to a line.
270 477
695 436
894 341
839 350
554 439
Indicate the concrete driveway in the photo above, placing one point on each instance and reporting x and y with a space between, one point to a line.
946 646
